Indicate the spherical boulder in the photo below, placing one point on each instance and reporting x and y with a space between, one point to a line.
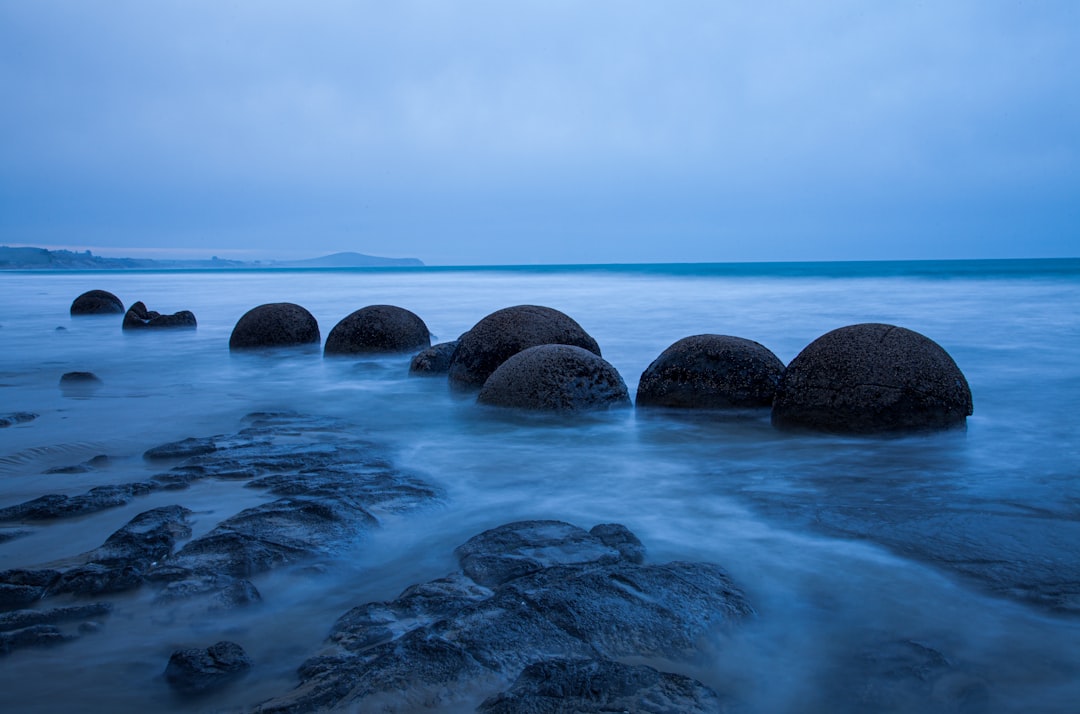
375 329
711 372
506 332
555 378
872 378
97 302
278 324
433 361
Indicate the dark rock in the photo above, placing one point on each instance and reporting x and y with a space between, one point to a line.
79 384
139 318
555 378
872 378
85 467
34 636
26 618
433 361
124 560
279 324
20 588
377 329
182 449
711 372
194 671
554 588
601 686
16 418
504 333
97 302
61 506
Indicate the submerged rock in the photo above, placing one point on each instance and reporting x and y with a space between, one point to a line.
433 361
97 302
98 498
711 372
79 384
504 333
194 671
20 587
872 378
590 686
555 378
138 318
13 418
279 324
377 329
550 588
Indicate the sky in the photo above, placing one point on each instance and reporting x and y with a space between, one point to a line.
476 132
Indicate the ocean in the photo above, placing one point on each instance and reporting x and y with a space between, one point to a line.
965 543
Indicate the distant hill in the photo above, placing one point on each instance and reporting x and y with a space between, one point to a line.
349 260
43 259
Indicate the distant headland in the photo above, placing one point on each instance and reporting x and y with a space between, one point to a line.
42 259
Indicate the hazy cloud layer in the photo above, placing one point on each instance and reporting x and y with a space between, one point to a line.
496 132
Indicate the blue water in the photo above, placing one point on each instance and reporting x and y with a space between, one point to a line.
965 542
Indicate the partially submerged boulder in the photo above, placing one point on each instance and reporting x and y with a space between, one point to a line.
504 333
138 318
555 378
79 384
278 324
378 329
872 378
711 372
97 302
433 361
195 670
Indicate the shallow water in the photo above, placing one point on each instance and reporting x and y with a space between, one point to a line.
956 541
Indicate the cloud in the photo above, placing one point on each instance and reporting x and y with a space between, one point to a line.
389 125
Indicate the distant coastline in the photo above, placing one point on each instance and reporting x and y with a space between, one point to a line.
44 259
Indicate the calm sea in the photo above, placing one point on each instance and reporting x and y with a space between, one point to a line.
965 542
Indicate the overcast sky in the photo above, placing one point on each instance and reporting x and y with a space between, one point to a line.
463 132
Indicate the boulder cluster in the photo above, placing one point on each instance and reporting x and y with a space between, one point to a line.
860 379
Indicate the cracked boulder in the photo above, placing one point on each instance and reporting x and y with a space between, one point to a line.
872 378
139 318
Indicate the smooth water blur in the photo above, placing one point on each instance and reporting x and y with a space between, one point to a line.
786 514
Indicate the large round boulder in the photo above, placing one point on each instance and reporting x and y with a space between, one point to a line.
872 378
375 329
278 324
711 372
97 302
504 333
555 378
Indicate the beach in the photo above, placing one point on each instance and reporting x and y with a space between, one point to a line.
964 543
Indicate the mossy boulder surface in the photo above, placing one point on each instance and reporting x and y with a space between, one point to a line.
872 378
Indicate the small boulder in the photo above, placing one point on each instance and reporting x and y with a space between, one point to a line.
504 333
194 671
97 302
79 384
555 378
279 324
377 329
872 378
711 372
433 361
138 317
14 418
